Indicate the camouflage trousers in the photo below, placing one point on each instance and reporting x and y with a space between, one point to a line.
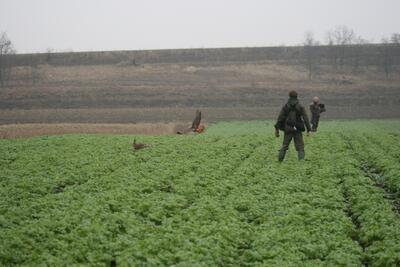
314 122
298 143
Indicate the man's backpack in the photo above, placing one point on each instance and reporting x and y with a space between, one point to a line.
293 122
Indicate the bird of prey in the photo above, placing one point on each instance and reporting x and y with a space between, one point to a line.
196 121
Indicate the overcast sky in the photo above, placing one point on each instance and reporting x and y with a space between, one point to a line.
86 25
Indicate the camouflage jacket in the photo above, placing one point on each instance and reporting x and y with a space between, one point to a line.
301 116
317 109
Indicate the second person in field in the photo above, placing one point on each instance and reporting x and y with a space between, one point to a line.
316 108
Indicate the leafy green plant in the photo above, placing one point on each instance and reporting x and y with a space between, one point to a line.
220 198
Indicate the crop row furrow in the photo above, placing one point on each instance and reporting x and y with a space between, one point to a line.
369 170
383 142
381 168
378 225
216 199
287 205
392 196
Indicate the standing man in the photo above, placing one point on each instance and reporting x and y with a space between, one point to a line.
291 121
316 109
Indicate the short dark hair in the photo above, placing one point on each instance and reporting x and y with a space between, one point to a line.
293 94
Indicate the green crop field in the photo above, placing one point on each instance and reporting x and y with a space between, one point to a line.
215 199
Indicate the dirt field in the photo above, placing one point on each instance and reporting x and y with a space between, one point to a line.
171 115
12 131
172 92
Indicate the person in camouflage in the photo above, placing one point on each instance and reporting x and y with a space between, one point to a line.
293 121
316 109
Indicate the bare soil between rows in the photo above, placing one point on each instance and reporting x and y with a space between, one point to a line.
12 131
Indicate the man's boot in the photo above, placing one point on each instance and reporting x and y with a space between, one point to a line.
281 155
300 154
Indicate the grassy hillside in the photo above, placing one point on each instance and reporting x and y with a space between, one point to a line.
218 198
354 81
171 92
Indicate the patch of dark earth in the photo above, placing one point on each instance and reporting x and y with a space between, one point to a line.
377 177
356 223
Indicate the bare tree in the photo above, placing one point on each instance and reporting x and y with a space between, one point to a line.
310 53
333 54
359 44
395 38
343 35
387 62
339 38
49 52
6 49
33 66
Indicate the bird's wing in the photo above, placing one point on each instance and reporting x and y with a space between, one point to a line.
197 119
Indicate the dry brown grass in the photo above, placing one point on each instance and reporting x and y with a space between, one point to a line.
172 92
133 116
12 131
186 115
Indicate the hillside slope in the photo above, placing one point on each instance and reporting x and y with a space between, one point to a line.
171 92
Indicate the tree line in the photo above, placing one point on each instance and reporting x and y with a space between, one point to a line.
345 48
342 49
6 49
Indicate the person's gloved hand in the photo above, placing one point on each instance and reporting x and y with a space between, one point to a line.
276 133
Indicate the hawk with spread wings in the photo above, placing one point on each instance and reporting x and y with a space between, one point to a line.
196 127
196 121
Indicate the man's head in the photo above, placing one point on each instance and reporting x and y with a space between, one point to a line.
315 99
293 94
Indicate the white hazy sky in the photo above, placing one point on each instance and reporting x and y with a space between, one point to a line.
85 25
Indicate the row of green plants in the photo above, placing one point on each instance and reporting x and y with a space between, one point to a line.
60 183
220 198
377 222
380 154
